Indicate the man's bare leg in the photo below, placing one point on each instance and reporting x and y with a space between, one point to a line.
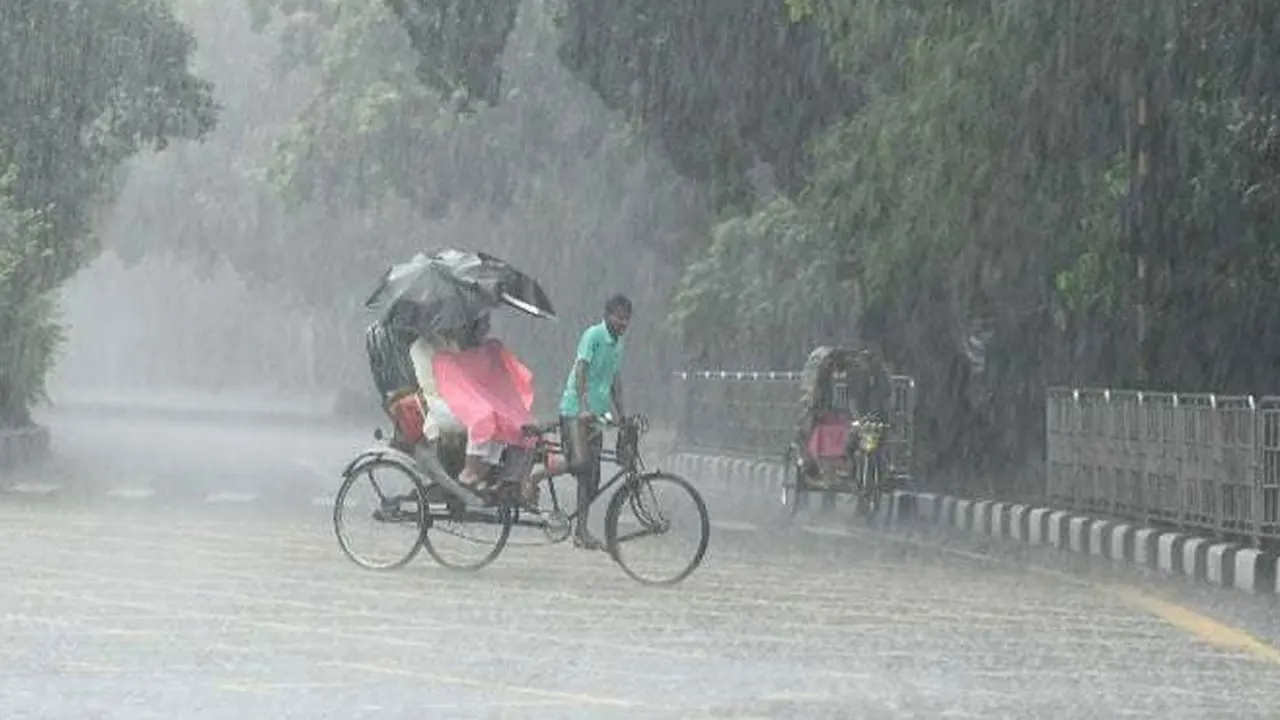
530 485
588 474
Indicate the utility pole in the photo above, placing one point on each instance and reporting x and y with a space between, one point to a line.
1144 246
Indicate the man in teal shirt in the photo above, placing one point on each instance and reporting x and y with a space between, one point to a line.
592 389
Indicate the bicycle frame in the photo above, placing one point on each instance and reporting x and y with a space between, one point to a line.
628 470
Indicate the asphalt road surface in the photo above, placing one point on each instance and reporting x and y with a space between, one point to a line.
215 589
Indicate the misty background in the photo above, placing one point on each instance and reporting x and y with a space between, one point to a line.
996 198
221 274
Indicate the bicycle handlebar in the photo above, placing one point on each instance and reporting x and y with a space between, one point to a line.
539 429
639 422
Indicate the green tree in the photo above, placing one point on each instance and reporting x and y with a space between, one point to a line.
1001 176
83 86
722 86
1085 184
335 157
546 176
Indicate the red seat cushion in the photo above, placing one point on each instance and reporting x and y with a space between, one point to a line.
828 438
407 412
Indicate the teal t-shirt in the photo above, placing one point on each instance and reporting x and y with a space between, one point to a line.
602 352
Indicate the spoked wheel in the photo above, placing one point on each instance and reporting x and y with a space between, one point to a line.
871 492
657 529
462 538
378 515
791 487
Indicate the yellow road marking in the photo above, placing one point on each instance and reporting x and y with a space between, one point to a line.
1183 618
1205 628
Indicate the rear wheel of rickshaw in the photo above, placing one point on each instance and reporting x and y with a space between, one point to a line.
466 538
387 497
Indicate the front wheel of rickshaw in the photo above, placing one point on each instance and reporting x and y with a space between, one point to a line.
792 479
871 491
657 506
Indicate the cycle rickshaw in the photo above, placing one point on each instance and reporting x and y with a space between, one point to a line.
415 493
853 437
437 520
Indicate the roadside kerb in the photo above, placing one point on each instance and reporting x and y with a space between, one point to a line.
1221 564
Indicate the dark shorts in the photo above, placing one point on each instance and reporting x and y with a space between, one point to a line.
582 454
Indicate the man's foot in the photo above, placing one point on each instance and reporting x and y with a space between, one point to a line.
587 542
474 482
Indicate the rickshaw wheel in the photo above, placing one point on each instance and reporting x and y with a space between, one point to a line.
871 493
792 484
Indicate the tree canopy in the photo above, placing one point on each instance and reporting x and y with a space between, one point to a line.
1084 186
83 86
998 195
335 157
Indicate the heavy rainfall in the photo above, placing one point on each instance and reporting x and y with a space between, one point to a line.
952 335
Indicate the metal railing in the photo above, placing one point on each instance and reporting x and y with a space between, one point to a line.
1207 463
756 414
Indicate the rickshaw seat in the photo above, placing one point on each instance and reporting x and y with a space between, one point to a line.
406 414
829 435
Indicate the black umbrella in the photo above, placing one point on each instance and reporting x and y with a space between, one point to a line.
448 290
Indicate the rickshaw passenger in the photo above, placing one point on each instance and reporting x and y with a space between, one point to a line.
406 378
437 417
489 388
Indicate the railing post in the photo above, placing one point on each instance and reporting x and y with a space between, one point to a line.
1255 475
1257 503
683 408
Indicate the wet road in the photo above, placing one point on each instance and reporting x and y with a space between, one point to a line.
127 607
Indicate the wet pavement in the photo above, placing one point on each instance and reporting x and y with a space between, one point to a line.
120 609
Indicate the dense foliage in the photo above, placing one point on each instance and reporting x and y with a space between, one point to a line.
1083 189
544 176
83 86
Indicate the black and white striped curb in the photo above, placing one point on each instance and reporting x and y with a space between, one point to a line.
1223 564
23 445
731 473
1220 563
